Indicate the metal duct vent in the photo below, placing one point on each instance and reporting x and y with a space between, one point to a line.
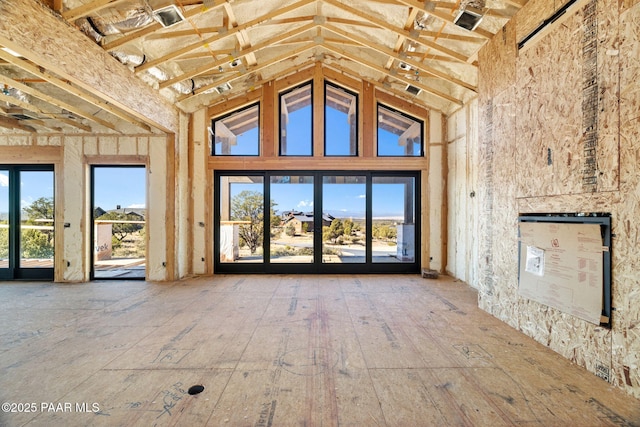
223 88
413 90
468 19
168 16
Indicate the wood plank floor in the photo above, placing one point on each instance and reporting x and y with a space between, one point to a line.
283 351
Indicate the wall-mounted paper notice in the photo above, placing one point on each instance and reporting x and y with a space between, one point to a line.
562 267
535 261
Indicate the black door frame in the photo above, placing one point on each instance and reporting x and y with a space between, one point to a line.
317 266
15 271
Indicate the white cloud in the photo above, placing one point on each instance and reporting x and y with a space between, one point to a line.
4 180
137 206
362 196
305 204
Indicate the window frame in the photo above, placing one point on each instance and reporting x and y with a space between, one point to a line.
421 123
232 113
357 120
283 93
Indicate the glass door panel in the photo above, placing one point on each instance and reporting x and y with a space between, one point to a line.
36 219
344 206
294 225
4 219
242 219
393 219
27 222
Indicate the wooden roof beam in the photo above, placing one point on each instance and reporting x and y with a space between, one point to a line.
184 33
29 28
213 39
41 112
413 12
251 70
386 72
418 65
410 35
70 88
214 65
54 101
11 123
89 8
399 94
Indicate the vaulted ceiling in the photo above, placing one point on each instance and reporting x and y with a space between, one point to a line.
202 52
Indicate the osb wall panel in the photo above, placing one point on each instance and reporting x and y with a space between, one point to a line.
486 279
626 254
553 81
549 106
516 178
503 237
584 343
499 62
608 55
532 14
628 4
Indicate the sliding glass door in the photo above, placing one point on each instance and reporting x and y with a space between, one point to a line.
26 222
316 222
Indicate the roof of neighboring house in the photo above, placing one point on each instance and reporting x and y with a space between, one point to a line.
304 216
141 212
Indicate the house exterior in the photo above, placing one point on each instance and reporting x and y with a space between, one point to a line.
303 221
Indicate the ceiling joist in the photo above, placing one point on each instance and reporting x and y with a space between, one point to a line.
221 49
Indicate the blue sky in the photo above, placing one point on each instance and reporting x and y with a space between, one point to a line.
120 186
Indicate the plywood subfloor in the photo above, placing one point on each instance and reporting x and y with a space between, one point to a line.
283 351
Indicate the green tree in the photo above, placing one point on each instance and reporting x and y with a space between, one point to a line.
120 231
249 206
290 230
384 232
348 227
332 232
37 243
41 208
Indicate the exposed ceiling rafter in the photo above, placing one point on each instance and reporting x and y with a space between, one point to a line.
221 49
